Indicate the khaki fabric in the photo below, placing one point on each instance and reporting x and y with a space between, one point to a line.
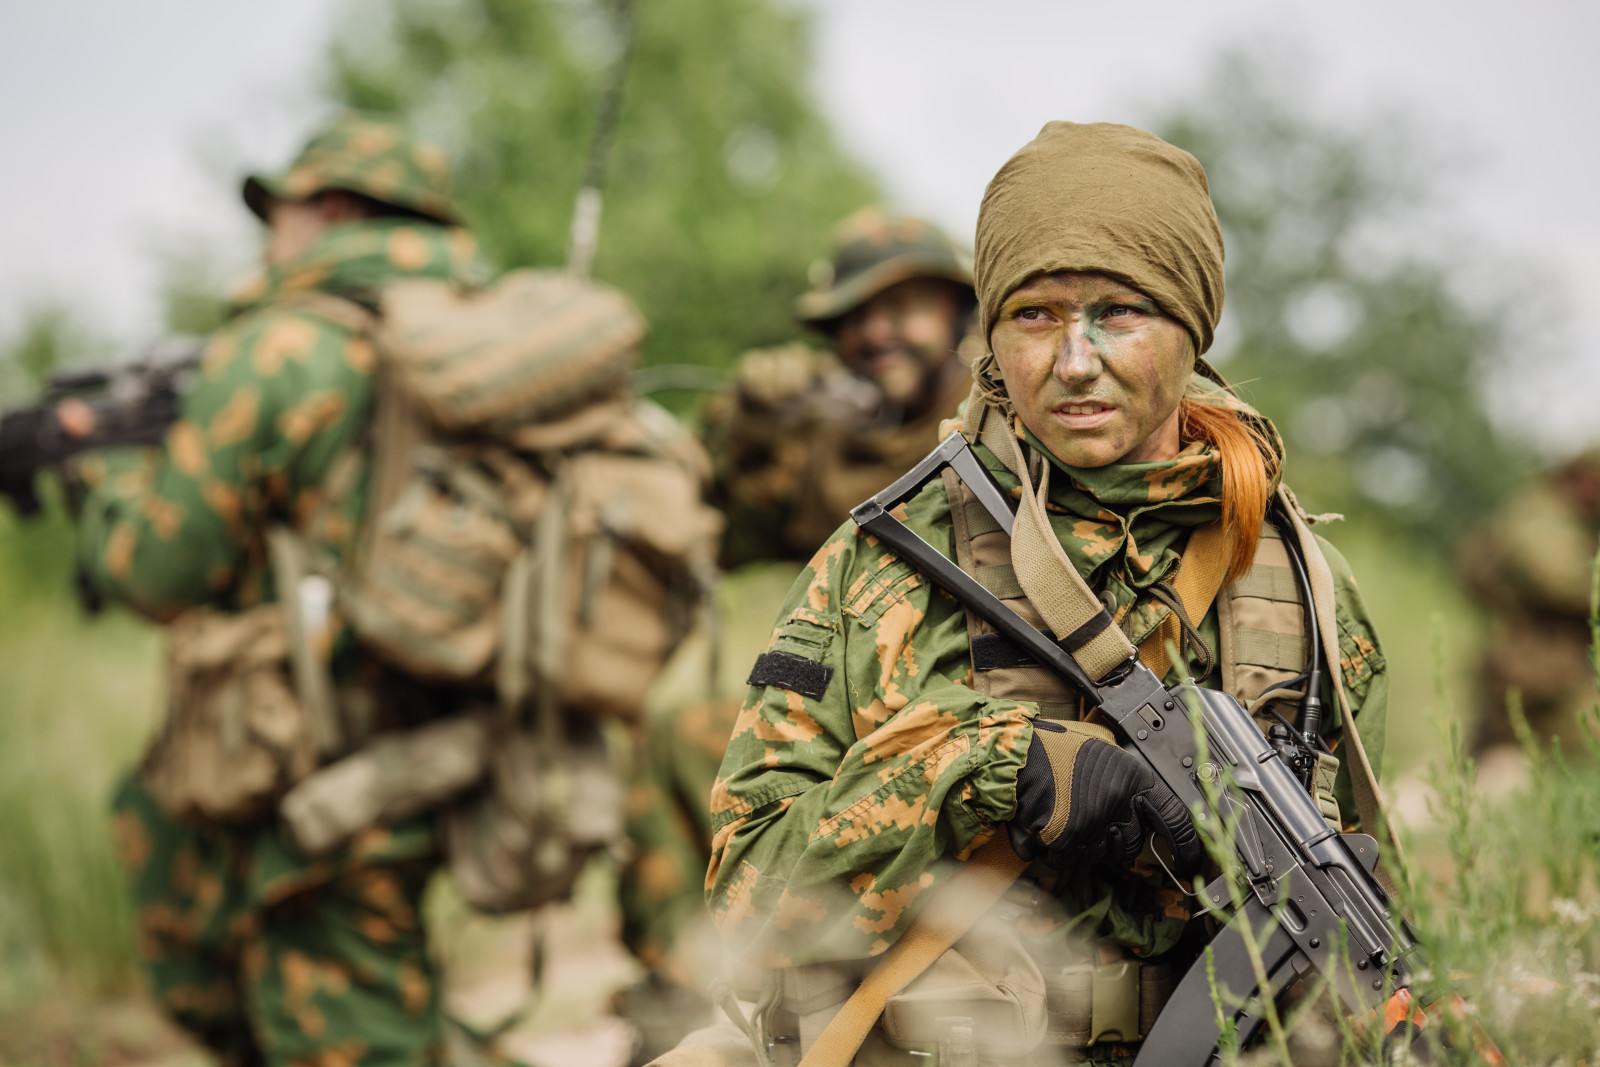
236 734
533 346
1105 198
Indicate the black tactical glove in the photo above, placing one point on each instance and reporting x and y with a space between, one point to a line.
1081 799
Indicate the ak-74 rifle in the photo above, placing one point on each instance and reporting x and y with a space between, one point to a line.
1310 894
129 403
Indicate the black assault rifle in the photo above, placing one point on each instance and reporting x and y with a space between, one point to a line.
133 403
1309 893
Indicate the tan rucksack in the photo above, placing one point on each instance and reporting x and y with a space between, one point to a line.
535 536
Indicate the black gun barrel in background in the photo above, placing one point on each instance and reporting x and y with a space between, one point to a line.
133 403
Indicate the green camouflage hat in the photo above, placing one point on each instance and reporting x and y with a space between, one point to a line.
871 252
362 155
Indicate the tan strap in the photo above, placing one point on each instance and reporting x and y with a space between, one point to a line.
1053 585
968 895
1200 573
1363 780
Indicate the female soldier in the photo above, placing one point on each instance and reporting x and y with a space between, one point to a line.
888 736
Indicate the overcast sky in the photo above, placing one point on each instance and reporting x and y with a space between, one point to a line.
124 124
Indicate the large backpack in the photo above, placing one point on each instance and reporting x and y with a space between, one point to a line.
535 538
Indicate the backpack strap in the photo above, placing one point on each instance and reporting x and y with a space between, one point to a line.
971 892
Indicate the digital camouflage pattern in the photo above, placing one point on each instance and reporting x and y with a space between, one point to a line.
316 962
1530 566
361 155
831 816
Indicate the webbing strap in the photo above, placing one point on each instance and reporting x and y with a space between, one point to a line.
1199 580
1043 575
972 891
1051 582
1363 781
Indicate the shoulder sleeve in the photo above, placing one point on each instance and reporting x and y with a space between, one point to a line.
278 396
859 762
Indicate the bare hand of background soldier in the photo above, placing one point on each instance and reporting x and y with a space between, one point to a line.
1081 799
772 377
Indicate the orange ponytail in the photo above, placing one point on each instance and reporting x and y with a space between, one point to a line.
1249 470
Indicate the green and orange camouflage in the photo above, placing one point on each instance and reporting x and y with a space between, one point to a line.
262 972
357 154
662 889
1529 566
799 442
339 974
281 392
834 818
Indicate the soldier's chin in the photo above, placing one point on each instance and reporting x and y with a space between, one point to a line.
901 380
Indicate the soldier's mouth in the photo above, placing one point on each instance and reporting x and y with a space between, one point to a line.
1082 414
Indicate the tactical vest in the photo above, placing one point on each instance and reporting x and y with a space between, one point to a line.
1261 618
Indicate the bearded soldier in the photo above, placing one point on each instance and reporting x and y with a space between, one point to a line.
261 954
804 435
807 434
889 735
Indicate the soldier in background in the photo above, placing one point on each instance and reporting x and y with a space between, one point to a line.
1530 566
805 435
261 954
808 434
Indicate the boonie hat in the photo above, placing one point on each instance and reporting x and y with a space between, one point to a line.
361 155
871 252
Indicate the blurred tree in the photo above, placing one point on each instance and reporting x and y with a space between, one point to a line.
723 179
1344 320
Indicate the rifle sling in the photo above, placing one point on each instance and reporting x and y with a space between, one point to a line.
993 868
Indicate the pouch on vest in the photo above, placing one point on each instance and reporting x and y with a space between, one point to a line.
522 840
533 530
236 733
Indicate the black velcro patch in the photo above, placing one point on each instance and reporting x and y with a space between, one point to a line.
794 673
996 651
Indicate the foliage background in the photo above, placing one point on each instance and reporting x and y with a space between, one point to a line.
1370 340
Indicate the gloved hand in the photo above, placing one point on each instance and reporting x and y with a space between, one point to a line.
1081 799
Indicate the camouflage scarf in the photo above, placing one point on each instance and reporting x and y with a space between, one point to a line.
361 256
1124 526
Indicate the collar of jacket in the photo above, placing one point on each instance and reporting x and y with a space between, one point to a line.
361 256
1127 522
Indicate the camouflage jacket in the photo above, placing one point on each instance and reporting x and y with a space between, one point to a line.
831 816
281 392
801 442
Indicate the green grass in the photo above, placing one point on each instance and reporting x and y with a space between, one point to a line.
1507 895
78 695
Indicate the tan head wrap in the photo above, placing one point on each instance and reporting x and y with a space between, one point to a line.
1105 198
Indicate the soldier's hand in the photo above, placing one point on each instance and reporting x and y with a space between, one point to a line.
75 418
772 377
1081 799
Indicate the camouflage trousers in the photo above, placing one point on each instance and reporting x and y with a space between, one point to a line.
661 891
275 963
